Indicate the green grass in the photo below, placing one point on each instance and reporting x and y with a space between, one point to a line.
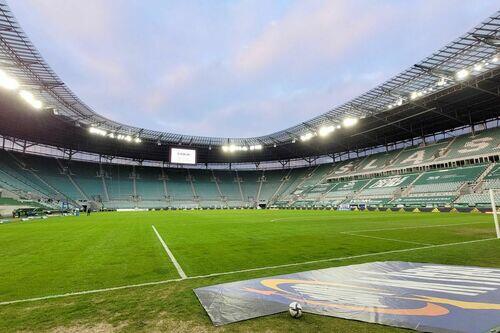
71 254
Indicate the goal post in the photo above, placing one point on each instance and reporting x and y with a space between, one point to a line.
494 211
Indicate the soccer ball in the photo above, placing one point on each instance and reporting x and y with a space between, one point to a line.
295 310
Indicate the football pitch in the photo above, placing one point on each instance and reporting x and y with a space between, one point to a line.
135 271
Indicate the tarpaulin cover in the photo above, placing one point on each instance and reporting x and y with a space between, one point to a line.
423 297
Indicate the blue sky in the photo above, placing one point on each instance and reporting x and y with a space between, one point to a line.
235 68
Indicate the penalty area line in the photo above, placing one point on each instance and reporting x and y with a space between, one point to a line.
170 254
86 292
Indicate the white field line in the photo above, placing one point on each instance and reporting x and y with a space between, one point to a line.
387 239
170 254
239 271
416 227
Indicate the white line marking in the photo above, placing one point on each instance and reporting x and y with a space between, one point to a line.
239 271
387 239
170 254
86 292
418 227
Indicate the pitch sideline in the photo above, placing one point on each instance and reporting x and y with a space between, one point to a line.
86 292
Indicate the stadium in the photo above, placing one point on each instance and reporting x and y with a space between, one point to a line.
378 215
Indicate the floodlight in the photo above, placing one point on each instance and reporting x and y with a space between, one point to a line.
225 148
478 67
306 137
97 131
7 82
441 82
462 74
137 140
348 122
495 58
26 95
325 130
36 104
30 99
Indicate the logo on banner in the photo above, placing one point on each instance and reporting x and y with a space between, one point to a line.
381 292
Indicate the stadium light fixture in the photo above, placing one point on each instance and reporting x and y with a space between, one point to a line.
235 148
306 137
7 82
325 130
98 131
462 74
349 122
30 99
495 58
478 67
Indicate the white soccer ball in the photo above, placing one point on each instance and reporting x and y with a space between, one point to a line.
295 310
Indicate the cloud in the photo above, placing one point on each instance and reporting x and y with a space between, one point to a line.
310 32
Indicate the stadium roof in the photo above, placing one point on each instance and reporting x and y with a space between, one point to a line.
469 64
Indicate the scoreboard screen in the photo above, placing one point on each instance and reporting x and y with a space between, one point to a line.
182 156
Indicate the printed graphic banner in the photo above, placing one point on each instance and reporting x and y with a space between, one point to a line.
423 297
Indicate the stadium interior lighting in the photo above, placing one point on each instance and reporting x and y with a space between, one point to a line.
495 58
7 82
30 99
234 148
98 131
478 67
348 122
462 74
325 130
307 136
121 137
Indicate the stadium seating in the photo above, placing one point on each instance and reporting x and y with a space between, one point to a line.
411 157
327 185
228 185
483 143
